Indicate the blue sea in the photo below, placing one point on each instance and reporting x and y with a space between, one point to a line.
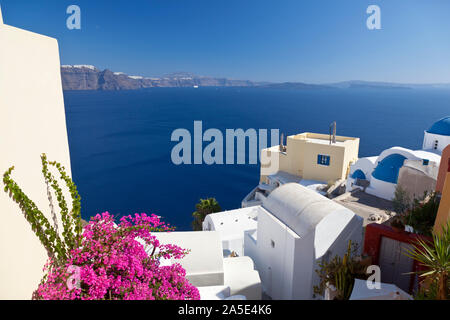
121 149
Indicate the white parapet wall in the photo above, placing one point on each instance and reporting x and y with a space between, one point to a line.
32 122
204 263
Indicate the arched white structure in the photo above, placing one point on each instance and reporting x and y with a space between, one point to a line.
364 166
382 174
302 211
383 179
410 154
296 229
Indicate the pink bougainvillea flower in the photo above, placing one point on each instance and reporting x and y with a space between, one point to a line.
112 263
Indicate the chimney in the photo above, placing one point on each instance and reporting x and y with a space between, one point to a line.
333 132
282 142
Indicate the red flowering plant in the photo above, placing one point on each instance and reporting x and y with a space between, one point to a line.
103 260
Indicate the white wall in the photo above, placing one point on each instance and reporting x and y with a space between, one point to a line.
233 244
287 268
251 245
32 122
381 189
242 278
366 165
334 226
304 271
204 263
278 264
429 141
330 238
272 260
351 230
231 225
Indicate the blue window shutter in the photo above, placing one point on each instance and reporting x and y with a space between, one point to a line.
323 160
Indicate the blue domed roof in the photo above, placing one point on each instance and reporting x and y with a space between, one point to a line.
387 169
441 127
359 174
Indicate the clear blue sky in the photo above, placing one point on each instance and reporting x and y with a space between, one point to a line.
268 40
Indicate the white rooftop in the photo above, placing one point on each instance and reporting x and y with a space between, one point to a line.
386 291
372 159
233 223
325 141
427 154
300 208
313 185
284 177
204 263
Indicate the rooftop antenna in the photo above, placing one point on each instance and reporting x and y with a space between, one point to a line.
333 132
282 149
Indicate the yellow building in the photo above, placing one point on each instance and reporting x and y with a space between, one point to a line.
311 156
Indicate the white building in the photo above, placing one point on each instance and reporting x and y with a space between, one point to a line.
379 175
32 122
438 136
216 277
295 228
231 226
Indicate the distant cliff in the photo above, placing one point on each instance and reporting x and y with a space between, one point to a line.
85 77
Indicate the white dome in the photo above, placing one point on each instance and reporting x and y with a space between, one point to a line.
300 208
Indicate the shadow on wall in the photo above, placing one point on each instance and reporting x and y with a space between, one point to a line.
443 168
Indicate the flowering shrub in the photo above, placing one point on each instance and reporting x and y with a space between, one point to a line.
102 260
57 247
112 263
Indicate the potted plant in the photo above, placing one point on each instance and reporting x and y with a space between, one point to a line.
365 260
423 213
337 276
397 224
